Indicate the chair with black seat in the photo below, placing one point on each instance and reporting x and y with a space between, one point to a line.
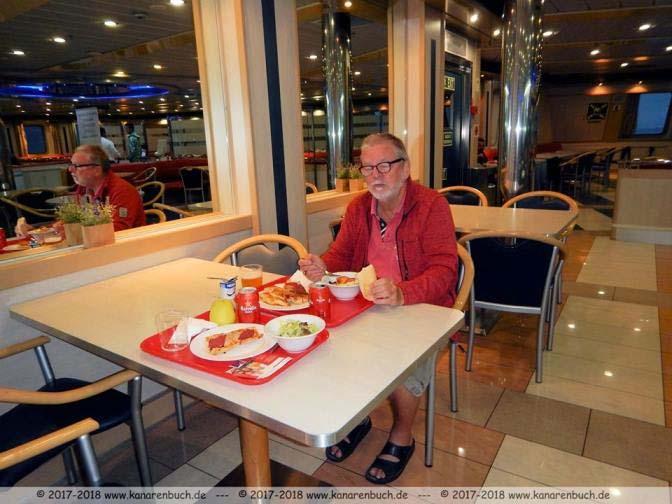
172 212
195 180
575 170
464 195
602 167
514 272
60 404
144 176
549 200
151 192
254 250
311 188
32 205
154 216
465 280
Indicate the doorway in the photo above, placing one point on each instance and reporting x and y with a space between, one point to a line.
456 120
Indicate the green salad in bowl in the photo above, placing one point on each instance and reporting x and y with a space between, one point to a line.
295 332
294 328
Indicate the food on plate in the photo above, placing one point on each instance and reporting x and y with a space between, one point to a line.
366 277
223 342
296 328
41 230
288 294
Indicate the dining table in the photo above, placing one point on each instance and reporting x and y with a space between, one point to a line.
471 219
315 402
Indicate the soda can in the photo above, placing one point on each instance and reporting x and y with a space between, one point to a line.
320 300
3 238
247 305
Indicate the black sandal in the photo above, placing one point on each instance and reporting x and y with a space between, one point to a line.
354 438
391 469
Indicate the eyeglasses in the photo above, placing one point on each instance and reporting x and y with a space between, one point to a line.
382 168
79 166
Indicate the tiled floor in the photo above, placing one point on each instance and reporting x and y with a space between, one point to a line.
598 418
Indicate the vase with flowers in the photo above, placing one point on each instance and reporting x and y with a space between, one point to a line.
97 227
70 214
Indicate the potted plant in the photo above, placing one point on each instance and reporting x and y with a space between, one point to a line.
97 227
70 214
342 176
356 178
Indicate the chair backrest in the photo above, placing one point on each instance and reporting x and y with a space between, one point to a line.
543 200
167 209
151 192
465 278
253 250
154 216
193 177
36 198
464 195
311 188
144 176
512 269
585 162
335 227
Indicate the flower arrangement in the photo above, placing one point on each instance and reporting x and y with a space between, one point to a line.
96 213
355 174
69 213
343 172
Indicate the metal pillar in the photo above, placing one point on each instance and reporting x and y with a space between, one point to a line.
337 93
521 73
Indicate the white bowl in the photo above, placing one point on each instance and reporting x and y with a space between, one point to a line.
343 292
294 343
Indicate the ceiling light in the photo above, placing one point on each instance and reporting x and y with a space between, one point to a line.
347 4
474 17
110 23
48 103
48 110
368 94
624 64
640 82
645 26
177 3
358 72
18 106
548 33
600 84
312 57
595 52
17 52
668 48
186 96
72 113
59 40
119 73
162 99
75 100
608 373
158 67
497 32
141 102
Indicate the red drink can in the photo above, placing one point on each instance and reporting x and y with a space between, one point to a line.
247 303
320 300
3 238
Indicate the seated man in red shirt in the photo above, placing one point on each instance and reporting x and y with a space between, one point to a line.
406 232
90 169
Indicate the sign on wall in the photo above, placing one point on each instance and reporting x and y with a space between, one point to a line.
88 127
449 83
597 112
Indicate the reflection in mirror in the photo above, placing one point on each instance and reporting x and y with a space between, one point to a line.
368 78
133 89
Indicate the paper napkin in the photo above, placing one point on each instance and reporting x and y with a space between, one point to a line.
189 327
300 278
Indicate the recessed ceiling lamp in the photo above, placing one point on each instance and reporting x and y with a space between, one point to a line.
347 4
640 82
48 103
141 102
186 96
548 33
18 106
497 32
312 57
110 23
600 84
59 40
177 3
75 100
162 99
473 18
119 73
668 48
357 72
595 52
624 64
17 52
645 26
158 67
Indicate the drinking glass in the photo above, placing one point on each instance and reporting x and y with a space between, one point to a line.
172 339
251 275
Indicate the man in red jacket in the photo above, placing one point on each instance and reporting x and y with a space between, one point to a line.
406 232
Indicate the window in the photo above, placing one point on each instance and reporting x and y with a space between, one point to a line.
37 143
652 114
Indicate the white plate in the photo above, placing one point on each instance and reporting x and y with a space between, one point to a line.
15 247
199 345
291 308
52 239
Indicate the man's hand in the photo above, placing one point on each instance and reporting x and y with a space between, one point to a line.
384 291
22 227
313 267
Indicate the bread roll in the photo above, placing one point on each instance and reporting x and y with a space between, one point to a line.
366 277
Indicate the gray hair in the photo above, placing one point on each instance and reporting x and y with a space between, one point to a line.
96 154
378 138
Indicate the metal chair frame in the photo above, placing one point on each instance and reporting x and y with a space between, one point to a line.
159 195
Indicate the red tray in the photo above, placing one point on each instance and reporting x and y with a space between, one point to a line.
152 346
341 311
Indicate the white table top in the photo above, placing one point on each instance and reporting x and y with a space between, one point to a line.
470 219
561 154
316 402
